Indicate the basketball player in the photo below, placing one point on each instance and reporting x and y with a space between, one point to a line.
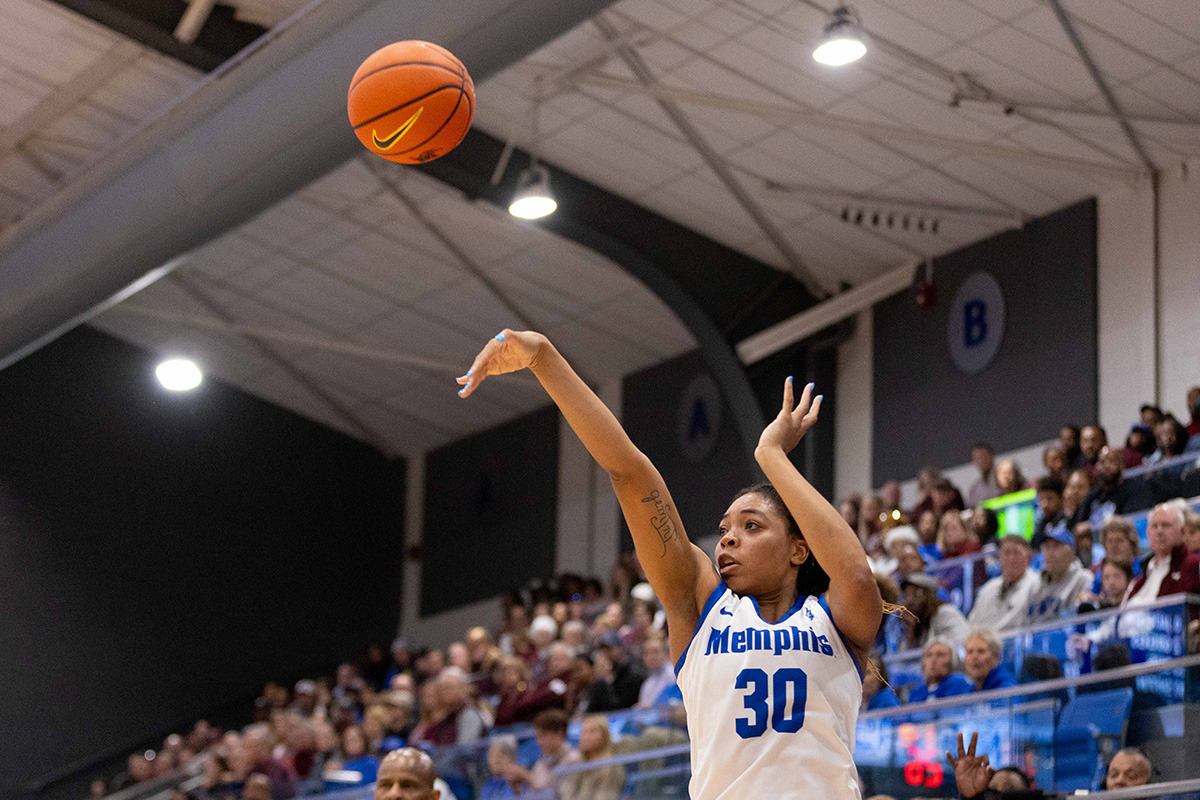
767 647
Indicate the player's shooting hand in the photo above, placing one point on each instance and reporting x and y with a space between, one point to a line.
793 421
509 351
971 772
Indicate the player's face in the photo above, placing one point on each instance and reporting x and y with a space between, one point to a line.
756 554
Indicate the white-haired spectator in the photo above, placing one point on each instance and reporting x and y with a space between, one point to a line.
502 764
574 636
940 673
1003 602
1170 568
981 661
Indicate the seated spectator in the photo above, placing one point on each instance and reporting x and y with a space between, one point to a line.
1077 486
981 662
1170 568
587 690
985 487
431 713
550 730
482 652
927 525
926 477
1062 578
849 508
1092 440
1129 767
1003 602
1119 542
354 758
1068 442
870 523
985 525
1172 439
895 543
399 705
542 633
946 497
1009 477
1050 507
512 678
1139 443
976 780
876 692
660 672
304 700
953 538
501 761
1111 494
258 747
889 497
930 618
603 783
939 674
460 721
1191 531
1115 577
401 660
257 787
1055 463
1149 415
628 672
891 628
574 635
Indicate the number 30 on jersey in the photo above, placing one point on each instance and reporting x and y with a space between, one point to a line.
768 699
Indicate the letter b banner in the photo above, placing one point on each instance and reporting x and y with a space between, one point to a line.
976 324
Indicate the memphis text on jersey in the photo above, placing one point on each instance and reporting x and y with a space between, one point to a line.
724 640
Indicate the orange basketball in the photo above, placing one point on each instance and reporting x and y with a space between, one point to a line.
411 102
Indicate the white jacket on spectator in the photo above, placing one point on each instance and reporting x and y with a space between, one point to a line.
998 607
1050 599
947 624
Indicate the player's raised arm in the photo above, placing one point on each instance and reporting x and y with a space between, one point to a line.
853 595
679 572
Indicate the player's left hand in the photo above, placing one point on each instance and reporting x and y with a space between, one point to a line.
793 421
971 772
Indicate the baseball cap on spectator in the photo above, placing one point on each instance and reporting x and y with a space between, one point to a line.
1060 534
305 686
643 592
922 580
543 623
399 697
902 533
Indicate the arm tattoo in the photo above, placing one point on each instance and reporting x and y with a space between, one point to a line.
660 518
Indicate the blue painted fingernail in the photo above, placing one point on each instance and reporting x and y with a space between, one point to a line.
499 337
789 378
469 372
460 391
811 385
819 397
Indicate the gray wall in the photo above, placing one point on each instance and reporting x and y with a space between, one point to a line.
928 411
490 512
161 556
658 416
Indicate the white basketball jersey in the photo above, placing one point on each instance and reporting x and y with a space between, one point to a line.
771 707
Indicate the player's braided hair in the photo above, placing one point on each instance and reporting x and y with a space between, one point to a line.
811 579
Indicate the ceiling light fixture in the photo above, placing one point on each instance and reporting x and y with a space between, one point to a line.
179 374
844 40
533 198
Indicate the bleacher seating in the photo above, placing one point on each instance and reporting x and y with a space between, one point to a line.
1089 730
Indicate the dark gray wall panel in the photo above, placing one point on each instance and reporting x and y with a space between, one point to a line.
490 512
162 556
927 411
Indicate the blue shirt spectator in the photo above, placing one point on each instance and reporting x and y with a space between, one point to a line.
884 698
950 686
981 660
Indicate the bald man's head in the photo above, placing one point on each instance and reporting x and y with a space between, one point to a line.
257 787
1128 768
406 774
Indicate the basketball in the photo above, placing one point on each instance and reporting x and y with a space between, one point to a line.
411 102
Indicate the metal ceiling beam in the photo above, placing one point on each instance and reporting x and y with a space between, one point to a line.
755 348
715 162
1102 84
265 124
283 364
873 130
68 95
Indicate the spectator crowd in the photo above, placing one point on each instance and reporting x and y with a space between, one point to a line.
570 650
